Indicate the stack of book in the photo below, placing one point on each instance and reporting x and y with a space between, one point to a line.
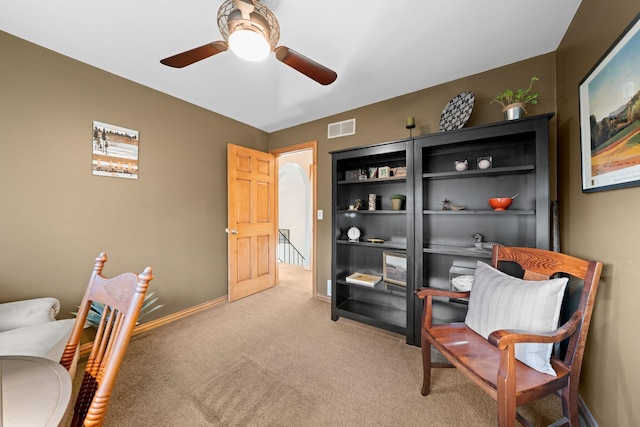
363 279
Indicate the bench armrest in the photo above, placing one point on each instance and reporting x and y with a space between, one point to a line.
28 312
422 293
506 337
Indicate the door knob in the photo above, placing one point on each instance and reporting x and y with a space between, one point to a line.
230 231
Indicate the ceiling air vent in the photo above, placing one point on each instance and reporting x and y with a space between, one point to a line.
344 128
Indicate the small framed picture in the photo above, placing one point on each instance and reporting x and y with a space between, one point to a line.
399 171
352 175
115 151
394 268
384 172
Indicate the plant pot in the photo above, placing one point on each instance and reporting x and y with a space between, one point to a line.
513 111
396 204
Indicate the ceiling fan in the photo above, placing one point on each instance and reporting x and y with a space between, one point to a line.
251 31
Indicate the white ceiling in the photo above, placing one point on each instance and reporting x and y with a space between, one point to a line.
379 48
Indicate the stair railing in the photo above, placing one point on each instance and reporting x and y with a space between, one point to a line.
287 252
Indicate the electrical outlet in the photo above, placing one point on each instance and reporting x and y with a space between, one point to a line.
329 288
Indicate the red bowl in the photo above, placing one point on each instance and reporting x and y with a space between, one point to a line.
500 203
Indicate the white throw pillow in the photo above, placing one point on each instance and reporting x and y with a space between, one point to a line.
500 301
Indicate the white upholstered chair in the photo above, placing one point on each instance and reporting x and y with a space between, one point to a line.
29 328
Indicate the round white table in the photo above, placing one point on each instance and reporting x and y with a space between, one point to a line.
35 392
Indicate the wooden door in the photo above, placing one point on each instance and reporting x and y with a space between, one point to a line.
252 224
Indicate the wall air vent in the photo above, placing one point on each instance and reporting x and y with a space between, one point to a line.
344 128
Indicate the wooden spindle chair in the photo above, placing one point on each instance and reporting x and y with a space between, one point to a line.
491 363
122 297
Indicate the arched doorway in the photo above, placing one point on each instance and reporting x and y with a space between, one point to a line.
294 212
297 167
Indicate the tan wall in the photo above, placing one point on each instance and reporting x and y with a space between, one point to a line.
385 121
52 225
601 226
55 216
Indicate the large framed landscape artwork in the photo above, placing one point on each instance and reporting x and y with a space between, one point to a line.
610 116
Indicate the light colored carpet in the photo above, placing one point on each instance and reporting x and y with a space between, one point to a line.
277 359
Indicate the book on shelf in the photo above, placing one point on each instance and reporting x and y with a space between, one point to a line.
363 279
375 240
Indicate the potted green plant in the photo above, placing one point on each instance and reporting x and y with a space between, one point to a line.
513 103
96 310
396 201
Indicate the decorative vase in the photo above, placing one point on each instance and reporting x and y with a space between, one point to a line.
513 111
396 204
372 202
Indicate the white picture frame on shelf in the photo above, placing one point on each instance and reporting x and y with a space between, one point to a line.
384 172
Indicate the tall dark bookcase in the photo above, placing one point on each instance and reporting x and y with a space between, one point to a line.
438 243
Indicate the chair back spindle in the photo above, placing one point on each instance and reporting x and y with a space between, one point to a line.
122 298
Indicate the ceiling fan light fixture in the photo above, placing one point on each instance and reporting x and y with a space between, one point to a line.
251 31
249 45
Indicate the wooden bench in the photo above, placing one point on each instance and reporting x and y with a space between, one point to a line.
491 363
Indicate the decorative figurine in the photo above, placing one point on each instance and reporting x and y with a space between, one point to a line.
462 165
447 205
485 246
372 202
484 162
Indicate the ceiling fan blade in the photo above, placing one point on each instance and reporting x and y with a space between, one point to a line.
194 55
306 66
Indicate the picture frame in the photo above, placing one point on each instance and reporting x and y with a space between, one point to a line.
384 172
610 116
115 151
400 171
372 172
353 175
394 268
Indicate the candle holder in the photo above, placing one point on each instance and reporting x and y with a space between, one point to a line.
411 124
